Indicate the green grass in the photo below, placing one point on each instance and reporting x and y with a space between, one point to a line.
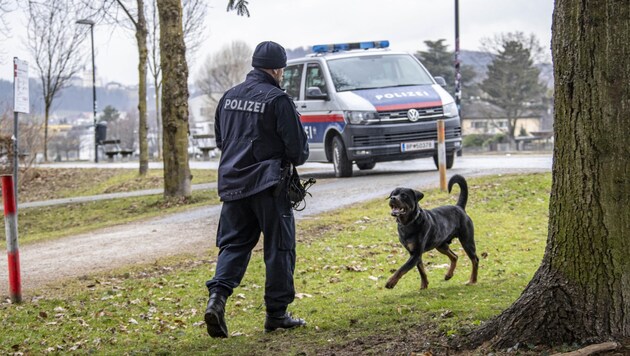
344 259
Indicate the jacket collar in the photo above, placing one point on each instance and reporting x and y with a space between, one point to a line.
262 76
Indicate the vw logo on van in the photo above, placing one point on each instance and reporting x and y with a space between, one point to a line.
413 115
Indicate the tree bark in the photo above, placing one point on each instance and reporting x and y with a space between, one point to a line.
143 54
581 292
174 100
158 122
46 118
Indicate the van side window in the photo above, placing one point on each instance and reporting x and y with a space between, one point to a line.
315 77
292 80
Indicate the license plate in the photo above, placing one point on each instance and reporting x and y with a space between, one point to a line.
417 146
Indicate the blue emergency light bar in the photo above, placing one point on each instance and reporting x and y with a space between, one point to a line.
336 47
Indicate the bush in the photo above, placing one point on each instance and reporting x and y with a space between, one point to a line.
498 138
474 140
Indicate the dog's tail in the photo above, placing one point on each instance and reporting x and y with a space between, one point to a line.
463 189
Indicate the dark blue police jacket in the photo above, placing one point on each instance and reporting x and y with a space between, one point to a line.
256 128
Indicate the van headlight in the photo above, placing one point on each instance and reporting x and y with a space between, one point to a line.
361 117
450 110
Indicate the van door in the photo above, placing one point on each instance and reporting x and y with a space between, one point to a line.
318 111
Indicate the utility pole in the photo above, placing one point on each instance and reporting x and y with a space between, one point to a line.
91 24
458 81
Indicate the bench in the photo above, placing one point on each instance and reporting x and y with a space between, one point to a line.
110 142
206 144
111 148
205 152
126 154
111 155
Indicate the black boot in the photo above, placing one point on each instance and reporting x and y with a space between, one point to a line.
285 321
215 316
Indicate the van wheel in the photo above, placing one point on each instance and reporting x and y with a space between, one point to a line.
343 167
364 166
450 159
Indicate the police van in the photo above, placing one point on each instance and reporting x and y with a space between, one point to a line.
364 103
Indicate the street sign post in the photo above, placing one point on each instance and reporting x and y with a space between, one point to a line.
21 104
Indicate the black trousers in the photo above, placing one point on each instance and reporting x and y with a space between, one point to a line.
240 225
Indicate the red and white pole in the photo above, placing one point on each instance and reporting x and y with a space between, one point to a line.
10 225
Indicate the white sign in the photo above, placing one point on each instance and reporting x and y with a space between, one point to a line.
20 86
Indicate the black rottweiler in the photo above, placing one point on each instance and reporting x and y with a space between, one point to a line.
423 230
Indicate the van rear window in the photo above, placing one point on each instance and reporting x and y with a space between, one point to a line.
378 71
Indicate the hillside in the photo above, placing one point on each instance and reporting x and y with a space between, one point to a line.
72 99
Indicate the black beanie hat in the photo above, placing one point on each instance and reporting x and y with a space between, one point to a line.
269 55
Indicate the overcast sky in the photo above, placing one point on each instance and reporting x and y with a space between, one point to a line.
296 23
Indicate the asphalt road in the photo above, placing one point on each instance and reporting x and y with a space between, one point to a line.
193 231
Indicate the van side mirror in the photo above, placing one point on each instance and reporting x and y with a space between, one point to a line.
440 81
315 93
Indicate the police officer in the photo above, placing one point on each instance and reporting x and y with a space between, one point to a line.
258 130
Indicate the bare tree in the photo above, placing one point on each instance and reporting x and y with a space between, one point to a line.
194 14
124 128
54 41
493 45
64 143
224 69
30 140
581 291
6 6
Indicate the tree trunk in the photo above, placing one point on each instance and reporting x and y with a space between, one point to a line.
158 122
581 292
46 115
143 54
174 100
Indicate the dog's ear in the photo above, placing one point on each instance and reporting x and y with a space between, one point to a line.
419 195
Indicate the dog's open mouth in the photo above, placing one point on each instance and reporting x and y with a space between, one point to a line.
396 211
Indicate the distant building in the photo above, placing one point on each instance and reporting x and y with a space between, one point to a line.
482 118
201 111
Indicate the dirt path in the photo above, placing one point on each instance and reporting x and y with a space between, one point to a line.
106 249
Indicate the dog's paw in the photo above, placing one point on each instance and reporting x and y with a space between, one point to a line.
390 284
448 276
471 283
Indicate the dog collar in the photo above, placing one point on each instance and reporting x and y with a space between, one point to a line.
412 220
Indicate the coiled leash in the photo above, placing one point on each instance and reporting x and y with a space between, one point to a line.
296 188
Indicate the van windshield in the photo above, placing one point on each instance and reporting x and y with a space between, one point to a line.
378 71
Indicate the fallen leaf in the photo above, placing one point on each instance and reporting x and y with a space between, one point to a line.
303 295
356 268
